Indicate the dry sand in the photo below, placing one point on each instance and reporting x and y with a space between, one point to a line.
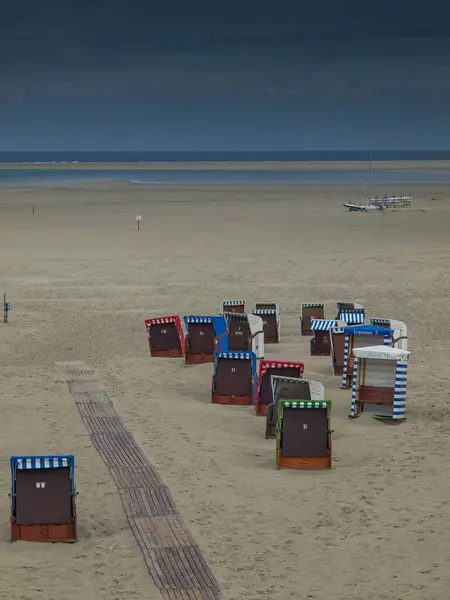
81 280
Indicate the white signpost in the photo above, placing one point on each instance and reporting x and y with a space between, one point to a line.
138 219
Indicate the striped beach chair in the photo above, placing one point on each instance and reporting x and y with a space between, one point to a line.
165 336
203 334
234 380
303 437
310 311
320 345
267 368
43 494
361 336
379 382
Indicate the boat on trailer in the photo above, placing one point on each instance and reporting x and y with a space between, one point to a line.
360 207
380 203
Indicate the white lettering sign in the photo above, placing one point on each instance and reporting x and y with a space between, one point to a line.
377 355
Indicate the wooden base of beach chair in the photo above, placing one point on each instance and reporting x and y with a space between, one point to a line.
173 353
61 532
293 462
232 400
198 359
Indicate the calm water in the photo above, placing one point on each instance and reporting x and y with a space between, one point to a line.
208 156
49 176
45 177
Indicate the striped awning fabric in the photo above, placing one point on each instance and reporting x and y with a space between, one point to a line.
41 462
269 311
319 304
322 324
236 316
276 364
355 318
236 355
288 379
193 319
233 302
379 321
161 320
305 404
271 304
269 364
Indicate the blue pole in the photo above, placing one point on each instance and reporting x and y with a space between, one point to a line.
5 308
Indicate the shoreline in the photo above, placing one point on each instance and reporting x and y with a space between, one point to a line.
382 165
120 185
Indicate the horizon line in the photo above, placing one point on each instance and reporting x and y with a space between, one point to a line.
374 151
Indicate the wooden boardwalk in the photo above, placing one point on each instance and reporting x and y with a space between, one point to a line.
174 560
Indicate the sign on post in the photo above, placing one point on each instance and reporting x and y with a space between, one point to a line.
138 219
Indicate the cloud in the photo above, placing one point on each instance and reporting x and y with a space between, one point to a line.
275 63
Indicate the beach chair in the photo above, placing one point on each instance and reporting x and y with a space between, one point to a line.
271 324
320 345
165 336
290 388
43 499
245 333
309 312
343 307
303 434
233 306
267 368
361 336
201 333
379 382
234 379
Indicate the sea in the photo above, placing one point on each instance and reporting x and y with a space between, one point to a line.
47 174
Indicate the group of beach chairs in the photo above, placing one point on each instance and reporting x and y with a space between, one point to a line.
296 412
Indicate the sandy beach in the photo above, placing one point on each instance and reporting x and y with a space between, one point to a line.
81 280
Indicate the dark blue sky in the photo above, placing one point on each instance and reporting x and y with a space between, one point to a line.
143 74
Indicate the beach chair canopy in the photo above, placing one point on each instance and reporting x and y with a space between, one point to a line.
381 352
368 330
325 325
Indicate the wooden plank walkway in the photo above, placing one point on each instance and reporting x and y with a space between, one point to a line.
174 560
